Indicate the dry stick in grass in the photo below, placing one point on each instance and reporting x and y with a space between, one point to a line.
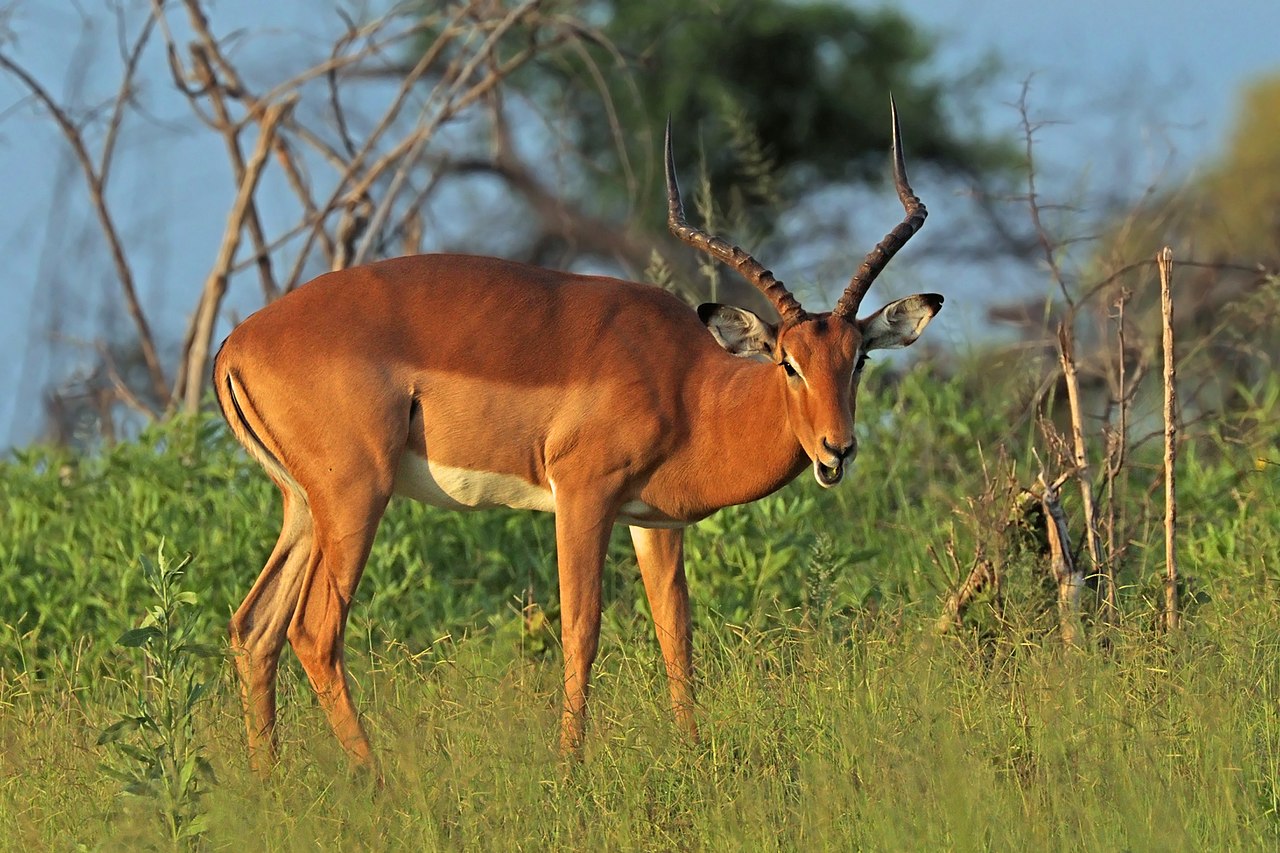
983 576
958 602
1068 575
1066 356
1117 446
1165 263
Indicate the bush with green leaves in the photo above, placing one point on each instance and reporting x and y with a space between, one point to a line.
75 525
832 716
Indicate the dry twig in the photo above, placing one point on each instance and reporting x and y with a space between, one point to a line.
200 333
1066 356
1117 453
1066 573
1165 259
982 576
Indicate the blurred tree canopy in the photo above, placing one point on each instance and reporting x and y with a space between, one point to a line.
759 92
809 80
1227 221
1232 211
1241 206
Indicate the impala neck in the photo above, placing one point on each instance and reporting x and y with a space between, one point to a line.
750 433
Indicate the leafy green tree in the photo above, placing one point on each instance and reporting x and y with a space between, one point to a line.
803 84
767 99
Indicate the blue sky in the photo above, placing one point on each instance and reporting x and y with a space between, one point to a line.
1145 92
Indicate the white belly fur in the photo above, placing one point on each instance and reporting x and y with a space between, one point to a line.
459 488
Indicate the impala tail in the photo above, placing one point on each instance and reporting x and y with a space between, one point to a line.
246 425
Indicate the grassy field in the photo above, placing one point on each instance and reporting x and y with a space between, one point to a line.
833 716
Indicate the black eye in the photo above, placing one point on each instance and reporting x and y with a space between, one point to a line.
791 371
862 359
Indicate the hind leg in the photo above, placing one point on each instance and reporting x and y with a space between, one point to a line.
344 532
259 626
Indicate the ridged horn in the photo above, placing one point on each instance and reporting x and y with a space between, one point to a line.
878 257
748 267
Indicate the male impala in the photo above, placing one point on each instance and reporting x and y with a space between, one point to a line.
468 382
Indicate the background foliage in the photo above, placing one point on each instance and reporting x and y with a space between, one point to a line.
746 84
832 713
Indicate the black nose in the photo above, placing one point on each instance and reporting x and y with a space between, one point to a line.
840 452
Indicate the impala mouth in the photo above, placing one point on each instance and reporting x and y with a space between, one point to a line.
828 476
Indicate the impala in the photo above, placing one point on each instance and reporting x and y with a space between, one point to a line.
469 382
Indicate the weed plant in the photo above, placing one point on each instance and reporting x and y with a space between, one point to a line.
156 753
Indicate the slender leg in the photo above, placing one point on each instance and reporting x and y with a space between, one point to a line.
259 626
661 557
344 533
583 526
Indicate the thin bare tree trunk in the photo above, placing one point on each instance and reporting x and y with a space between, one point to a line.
1066 355
1165 262
1117 447
191 383
1068 575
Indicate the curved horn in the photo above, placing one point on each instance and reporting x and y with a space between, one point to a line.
878 257
748 267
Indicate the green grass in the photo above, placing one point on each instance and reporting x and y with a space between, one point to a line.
832 716
882 739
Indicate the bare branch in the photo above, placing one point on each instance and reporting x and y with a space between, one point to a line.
1066 573
453 99
122 389
331 77
350 168
1165 259
124 271
981 578
190 384
1066 355
234 86
123 96
1034 206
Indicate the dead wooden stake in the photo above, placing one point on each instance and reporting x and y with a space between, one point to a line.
1068 575
1164 261
1066 353
1117 447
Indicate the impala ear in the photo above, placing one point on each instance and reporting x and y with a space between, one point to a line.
739 331
899 323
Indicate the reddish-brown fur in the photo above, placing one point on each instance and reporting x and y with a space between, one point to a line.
599 392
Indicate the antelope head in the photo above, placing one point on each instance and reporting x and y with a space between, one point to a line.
819 356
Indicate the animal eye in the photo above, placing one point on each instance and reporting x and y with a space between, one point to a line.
789 368
862 359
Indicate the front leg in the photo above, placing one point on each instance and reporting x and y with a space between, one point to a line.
660 554
583 525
